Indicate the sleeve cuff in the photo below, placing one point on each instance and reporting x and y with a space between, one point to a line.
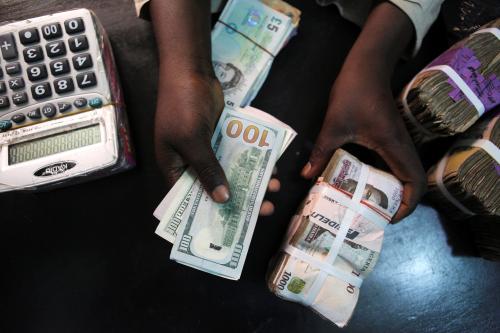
422 13
142 8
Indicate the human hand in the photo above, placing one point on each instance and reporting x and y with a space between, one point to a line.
362 111
188 108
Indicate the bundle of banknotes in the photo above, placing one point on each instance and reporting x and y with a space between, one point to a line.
452 92
466 182
215 237
334 240
245 40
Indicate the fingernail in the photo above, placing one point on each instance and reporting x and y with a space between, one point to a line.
306 169
220 194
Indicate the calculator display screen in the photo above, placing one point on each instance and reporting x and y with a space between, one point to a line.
57 143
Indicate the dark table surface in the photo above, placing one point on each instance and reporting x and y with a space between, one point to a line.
85 258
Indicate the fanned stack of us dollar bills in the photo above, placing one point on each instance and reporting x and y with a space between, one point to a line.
334 240
215 237
449 95
245 40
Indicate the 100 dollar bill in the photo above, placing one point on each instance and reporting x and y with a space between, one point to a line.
215 237
172 208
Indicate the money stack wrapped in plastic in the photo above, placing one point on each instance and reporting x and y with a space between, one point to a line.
452 92
335 239
245 40
466 183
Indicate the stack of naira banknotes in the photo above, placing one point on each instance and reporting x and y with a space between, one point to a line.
466 183
215 237
456 89
245 40
335 239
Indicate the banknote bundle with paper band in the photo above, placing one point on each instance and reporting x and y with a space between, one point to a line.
466 182
451 93
245 40
335 239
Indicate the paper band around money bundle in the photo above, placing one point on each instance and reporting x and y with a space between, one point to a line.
323 266
489 147
493 30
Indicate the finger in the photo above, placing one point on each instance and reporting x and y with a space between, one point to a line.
274 185
323 150
267 208
405 164
202 158
170 162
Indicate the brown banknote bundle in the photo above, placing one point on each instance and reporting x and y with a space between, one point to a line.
334 240
465 184
452 92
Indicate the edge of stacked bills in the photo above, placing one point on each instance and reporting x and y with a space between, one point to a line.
335 239
451 93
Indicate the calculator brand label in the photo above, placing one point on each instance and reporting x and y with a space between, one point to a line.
54 169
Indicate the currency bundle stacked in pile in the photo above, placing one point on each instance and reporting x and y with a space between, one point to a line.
450 94
466 182
335 239
215 237
245 40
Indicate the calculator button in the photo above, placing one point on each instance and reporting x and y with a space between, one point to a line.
64 85
8 46
37 72
49 110
80 102
86 80
51 31
16 83
63 107
13 68
59 67
55 49
29 36
33 53
20 98
4 102
41 90
95 102
74 26
5 125
34 114
78 43
82 61
3 87
18 118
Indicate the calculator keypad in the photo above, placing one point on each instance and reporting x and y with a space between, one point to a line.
49 63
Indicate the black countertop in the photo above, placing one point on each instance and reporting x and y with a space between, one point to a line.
85 258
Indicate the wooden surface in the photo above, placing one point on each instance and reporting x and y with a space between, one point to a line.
85 258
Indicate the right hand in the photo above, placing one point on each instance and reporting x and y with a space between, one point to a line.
188 108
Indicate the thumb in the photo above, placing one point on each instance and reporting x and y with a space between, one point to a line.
202 158
326 144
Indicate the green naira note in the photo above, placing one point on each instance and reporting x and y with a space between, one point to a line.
215 237
244 42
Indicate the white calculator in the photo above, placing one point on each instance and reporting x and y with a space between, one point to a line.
62 117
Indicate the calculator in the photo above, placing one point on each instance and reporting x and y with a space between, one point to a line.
62 116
